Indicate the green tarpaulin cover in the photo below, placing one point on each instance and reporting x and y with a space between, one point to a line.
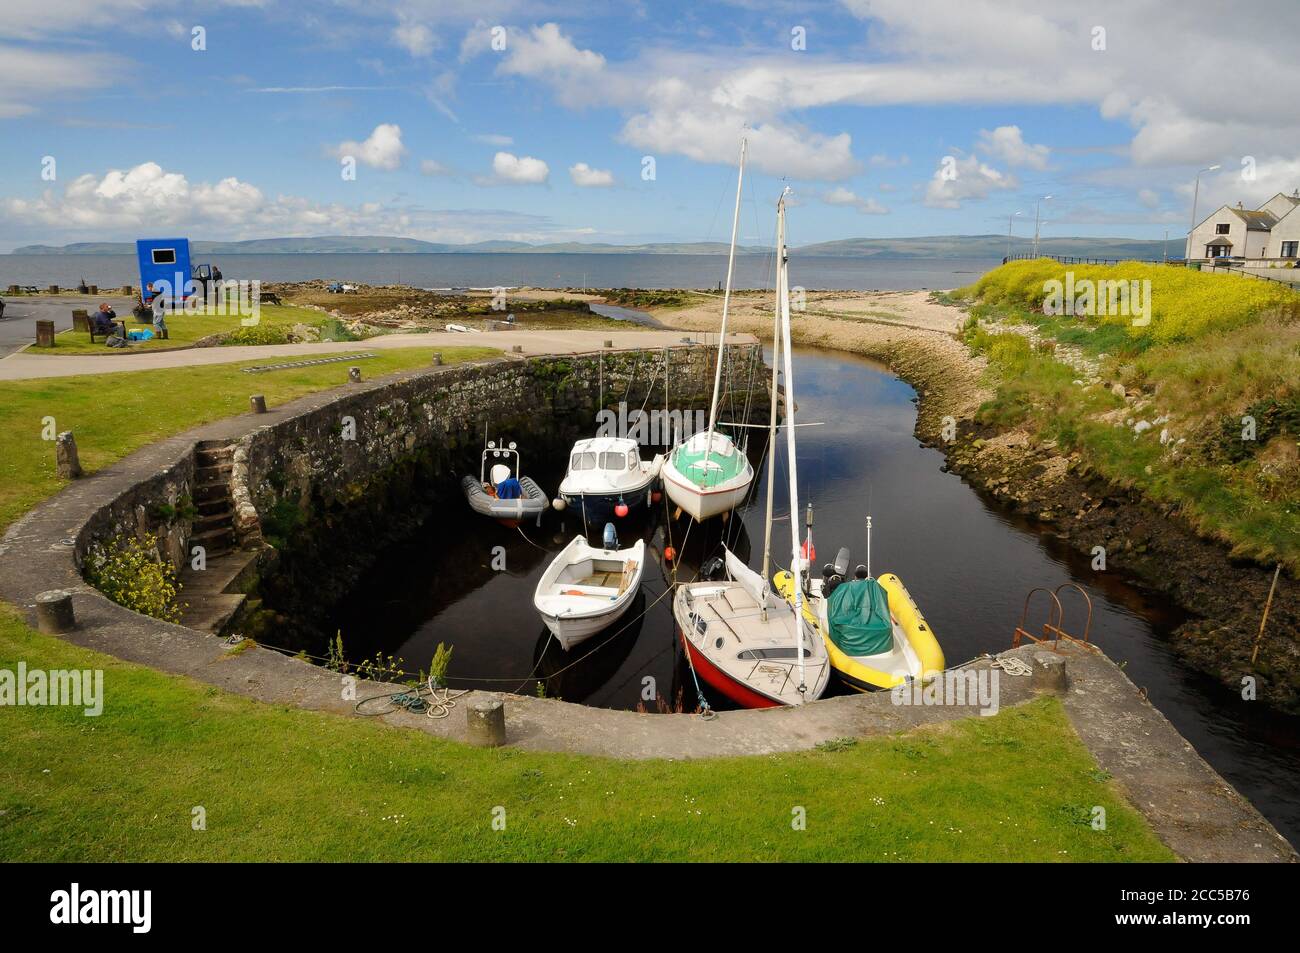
858 611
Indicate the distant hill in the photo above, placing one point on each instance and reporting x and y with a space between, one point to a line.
938 246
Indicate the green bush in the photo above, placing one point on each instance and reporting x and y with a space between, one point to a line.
257 334
132 574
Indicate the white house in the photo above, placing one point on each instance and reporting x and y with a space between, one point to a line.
1270 231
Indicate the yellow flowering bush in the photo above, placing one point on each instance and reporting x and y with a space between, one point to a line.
132 574
1185 304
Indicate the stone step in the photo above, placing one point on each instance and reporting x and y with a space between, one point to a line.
219 503
212 613
210 521
215 541
211 491
212 472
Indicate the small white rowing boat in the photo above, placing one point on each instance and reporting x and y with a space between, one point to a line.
587 588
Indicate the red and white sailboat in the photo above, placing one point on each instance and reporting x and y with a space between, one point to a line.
741 638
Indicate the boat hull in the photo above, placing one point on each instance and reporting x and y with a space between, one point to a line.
720 681
599 508
704 504
570 631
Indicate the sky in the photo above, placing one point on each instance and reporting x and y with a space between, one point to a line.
537 121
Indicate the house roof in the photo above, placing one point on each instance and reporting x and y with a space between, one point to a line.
1256 221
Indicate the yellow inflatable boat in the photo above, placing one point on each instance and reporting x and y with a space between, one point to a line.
874 633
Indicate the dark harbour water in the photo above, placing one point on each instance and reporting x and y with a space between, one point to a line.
515 270
967 564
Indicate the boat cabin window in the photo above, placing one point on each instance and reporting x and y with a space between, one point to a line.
583 461
633 459
774 653
613 461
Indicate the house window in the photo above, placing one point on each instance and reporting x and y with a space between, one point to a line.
1222 229
1289 249
1216 251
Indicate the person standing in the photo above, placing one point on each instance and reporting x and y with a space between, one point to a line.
159 306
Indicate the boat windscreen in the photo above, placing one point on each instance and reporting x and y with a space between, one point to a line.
582 461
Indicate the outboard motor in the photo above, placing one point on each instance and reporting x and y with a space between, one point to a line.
611 537
837 571
860 572
713 569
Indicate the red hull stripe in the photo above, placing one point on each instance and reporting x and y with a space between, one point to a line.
739 693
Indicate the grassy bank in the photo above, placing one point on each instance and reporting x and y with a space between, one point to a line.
183 330
1200 408
282 784
115 414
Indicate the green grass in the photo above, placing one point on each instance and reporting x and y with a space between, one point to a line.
281 784
1244 493
115 414
183 330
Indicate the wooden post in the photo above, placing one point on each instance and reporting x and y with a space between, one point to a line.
80 319
54 612
45 334
1268 604
127 290
258 403
53 289
485 722
437 359
94 289
66 461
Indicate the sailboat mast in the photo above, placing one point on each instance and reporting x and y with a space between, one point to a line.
784 283
726 303
771 429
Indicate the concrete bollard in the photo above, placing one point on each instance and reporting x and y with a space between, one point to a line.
609 344
485 723
54 612
53 289
94 289
80 319
45 334
258 403
127 290
66 461
437 359
1049 673
354 375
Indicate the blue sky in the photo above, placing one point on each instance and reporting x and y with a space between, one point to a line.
532 121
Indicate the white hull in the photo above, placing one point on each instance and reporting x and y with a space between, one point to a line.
586 589
704 504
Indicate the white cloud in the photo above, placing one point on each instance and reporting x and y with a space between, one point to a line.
1007 143
433 167
122 202
845 197
493 139
414 37
1149 197
382 149
520 170
588 178
968 179
28 76
546 54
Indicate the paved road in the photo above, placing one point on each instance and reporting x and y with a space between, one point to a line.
29 366
18 326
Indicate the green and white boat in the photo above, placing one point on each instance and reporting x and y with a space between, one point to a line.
708 474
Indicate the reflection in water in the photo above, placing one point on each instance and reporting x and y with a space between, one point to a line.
967 564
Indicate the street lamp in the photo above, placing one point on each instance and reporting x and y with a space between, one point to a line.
1037 221
1196 194
1010 218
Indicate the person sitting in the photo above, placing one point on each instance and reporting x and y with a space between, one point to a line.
509 489
102 320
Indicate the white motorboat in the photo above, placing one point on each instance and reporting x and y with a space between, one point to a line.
607 474
587 588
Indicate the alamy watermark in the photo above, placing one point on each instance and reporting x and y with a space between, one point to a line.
976 688
1096 299
659 428
214 297
38 688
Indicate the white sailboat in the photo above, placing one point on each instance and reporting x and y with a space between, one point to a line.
742 639
708 474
